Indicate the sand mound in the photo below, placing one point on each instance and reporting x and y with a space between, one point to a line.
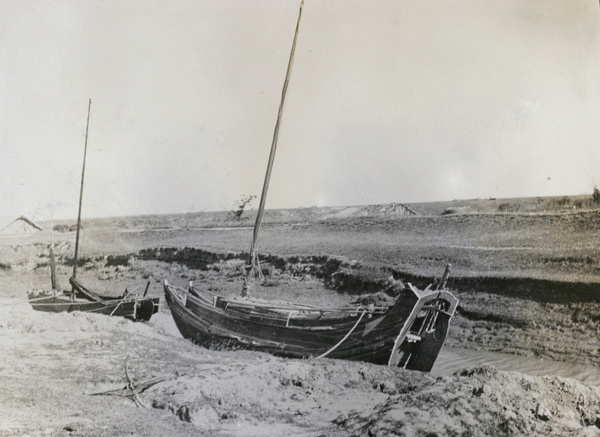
340 398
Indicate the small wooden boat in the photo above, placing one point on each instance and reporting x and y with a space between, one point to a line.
81 298
409 333
129 306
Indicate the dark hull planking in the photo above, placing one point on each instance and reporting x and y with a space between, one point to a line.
140 310
407 334
136 309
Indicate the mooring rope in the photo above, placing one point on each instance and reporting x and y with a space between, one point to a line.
12 304
125 297
343 339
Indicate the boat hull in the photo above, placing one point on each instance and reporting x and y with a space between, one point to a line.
392 336
133 308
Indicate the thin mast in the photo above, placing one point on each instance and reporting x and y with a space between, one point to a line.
252 266
81 192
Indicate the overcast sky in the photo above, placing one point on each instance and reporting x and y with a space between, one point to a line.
389 101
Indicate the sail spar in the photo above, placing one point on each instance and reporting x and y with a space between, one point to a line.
81 191
252 264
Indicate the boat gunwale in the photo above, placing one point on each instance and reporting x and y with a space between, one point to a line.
330 324
233 303
426 295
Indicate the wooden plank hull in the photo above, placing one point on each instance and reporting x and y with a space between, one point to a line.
136 309
409 333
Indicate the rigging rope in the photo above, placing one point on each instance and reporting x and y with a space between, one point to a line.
343 339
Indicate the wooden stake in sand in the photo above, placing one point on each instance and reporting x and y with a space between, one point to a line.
53 278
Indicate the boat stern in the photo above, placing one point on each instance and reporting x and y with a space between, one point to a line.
424 331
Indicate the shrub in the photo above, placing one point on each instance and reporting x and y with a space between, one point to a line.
509 207
596 195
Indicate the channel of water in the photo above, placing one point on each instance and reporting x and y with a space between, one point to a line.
451 360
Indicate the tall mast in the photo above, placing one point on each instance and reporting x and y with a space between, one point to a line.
252 267
81 192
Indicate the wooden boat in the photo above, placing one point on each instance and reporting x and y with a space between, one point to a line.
408 333
134 308
81 298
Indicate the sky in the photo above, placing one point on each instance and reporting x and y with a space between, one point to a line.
389 101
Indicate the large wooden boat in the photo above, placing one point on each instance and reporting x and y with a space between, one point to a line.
408 333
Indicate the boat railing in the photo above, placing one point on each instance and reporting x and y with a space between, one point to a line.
225 302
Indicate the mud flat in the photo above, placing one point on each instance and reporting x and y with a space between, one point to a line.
522 355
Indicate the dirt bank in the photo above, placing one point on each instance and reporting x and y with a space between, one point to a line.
558 321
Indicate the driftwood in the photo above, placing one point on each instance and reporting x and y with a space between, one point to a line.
131 389
131 386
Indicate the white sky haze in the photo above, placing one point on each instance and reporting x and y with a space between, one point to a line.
389 101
